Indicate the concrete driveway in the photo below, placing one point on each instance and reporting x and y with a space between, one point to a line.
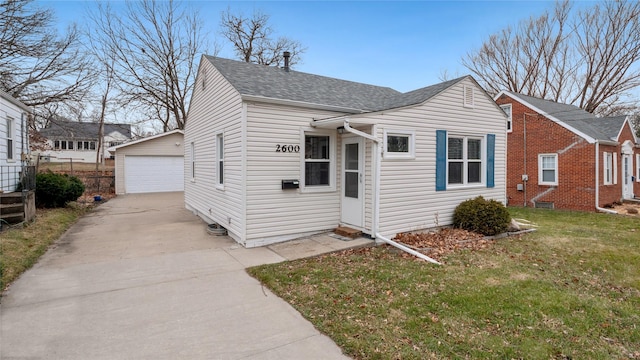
139 278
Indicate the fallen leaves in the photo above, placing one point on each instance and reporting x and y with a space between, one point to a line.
444 241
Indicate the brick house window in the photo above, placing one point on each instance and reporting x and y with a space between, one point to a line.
548 169
507 110
607 162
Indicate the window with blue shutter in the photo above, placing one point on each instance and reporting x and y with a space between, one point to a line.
491 160
441 160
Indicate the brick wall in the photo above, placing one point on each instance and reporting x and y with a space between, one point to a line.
576 163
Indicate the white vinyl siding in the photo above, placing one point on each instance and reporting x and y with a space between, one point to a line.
216 109
11 111
548 169
408 199
274 214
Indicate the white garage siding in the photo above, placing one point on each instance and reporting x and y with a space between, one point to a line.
162 145
144 174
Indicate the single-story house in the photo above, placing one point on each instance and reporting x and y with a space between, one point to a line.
273 154
78 141
152 164
560 156
14 140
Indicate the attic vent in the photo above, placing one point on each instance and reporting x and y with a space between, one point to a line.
468 96
544 205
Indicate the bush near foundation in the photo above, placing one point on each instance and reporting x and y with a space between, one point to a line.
56 190
487 217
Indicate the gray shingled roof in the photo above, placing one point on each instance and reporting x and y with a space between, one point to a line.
276 83
81 130
600 128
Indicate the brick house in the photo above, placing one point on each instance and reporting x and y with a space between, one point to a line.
560 156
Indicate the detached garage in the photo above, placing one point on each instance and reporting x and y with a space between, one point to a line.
153 164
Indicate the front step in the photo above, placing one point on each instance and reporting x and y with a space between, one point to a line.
348 232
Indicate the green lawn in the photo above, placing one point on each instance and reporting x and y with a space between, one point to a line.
22 246
571 290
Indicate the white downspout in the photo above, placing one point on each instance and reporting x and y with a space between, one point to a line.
376 191
598 182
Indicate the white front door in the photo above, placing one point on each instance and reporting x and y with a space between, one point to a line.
627 183
353 181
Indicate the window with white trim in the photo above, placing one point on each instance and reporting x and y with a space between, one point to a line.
637 167
507 110
219 160
399 144
317 160
10 146
193 161
464 160
548 169
615 168
607 166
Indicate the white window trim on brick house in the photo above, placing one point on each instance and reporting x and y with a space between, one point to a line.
541 170
607 168
507 108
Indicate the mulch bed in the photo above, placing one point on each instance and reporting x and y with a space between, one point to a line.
443 241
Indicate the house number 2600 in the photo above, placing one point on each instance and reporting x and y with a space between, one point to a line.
288 148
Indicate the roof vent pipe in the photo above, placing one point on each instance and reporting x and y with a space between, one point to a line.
286 55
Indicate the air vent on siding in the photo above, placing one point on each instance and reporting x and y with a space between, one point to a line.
468 96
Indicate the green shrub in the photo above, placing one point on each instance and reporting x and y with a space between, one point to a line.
56 190
487 217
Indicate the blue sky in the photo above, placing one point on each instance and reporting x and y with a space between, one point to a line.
404 45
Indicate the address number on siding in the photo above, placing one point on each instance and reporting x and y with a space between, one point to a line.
288 148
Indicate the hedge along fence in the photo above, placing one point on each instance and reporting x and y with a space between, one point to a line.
95 182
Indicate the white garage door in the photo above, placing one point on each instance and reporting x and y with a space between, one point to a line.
143 174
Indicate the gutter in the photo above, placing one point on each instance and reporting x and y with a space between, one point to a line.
376 190
598 208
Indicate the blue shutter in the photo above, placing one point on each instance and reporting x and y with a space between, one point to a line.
441 160
491 159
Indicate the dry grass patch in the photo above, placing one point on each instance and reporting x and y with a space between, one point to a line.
21 246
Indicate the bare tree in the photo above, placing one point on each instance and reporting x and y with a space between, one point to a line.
37 66
252 39
155 46
588 58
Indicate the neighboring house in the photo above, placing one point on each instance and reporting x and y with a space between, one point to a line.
152 164
14 140
273 154
78 141
560 156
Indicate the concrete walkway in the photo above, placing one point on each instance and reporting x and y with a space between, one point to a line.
139 278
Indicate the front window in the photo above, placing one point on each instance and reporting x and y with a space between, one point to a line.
548 169
399 144
317 167
220 159
464 160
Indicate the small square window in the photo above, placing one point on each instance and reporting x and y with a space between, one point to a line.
399 144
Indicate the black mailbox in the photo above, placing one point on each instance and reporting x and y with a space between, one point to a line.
290 184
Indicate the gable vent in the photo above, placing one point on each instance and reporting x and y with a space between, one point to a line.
468 96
